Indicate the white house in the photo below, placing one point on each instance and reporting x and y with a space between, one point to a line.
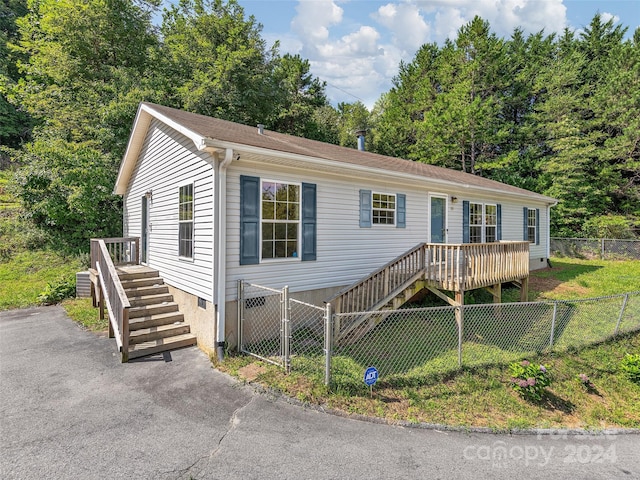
214 202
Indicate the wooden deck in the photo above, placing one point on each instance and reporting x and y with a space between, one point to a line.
440 268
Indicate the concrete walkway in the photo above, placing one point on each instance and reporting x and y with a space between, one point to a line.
70 409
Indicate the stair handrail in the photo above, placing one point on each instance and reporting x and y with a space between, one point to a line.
113 295
371 290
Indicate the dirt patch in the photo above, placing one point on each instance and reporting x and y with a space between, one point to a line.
549 287
251 371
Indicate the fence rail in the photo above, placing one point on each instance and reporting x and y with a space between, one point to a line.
606 248
415 344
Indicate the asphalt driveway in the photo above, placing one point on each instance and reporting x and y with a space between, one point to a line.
70 409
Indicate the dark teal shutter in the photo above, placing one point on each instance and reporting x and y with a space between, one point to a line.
525 233
249 220
308 221
499 222
365 208
465 221
401 221
537 226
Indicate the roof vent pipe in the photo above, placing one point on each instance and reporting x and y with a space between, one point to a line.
260 129
360 134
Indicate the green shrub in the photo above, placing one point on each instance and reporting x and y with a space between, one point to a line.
57 291
630 365
529 380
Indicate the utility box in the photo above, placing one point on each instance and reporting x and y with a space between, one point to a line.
83 285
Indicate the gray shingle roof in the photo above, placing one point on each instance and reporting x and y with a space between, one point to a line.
226 131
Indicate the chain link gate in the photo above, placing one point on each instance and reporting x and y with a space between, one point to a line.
261 322
283 331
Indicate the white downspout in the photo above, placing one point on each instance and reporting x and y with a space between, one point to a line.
221 243
549 232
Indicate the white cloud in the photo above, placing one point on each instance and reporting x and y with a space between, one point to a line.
314 18
503 15
362 58
404 20
606 16
364 42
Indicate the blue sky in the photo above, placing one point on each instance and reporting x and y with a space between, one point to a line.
357 45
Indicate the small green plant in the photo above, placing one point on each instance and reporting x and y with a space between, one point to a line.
529 380
57 291
630 365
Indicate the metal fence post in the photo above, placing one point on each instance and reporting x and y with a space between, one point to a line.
240 313
459 311
553 324
328 333
624 306
286 327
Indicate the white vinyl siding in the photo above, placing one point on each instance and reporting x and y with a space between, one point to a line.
167 161
345 252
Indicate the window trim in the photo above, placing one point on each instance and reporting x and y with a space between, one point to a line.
186 222
380 209
297 258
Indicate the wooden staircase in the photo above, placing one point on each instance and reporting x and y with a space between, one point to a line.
439 268
155 322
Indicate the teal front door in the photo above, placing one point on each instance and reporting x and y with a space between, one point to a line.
438 220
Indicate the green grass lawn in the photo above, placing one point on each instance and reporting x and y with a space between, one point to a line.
26 274
572 278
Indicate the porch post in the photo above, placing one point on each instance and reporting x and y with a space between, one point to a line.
524 289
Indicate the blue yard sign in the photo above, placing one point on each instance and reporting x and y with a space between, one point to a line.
371 376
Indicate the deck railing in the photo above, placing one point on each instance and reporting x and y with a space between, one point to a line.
123 251
462 267
110 292
452 267
366 294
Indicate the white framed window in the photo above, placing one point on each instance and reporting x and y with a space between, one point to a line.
185 221
531 225
490 223
383 208
475 222
483 223
280 220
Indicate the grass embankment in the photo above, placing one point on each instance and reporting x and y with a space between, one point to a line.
28 265
483 396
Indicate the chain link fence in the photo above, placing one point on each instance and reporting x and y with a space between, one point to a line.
606 248
414 345
260 323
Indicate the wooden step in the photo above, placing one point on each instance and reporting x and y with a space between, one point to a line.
146 300
149 310
142 282
145 291
136 274
155 320
143 335
161 345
